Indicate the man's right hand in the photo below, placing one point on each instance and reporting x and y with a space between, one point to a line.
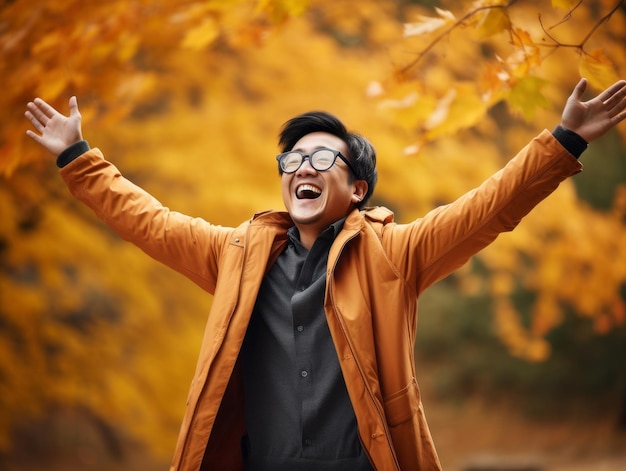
55 132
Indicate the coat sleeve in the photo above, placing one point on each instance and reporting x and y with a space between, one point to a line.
436 245
189 245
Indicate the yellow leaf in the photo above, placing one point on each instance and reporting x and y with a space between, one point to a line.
460 108
201 36
493 21
598 69
428 24
526 96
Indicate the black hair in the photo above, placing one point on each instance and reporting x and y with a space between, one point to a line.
361 152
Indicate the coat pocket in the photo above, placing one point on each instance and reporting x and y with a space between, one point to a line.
402 405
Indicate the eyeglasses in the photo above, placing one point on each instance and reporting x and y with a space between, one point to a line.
321 159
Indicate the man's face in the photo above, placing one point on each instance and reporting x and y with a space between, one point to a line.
315 199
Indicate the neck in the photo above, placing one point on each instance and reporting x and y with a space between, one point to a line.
308 236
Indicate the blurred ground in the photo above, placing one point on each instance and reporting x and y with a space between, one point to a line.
494 437
500 437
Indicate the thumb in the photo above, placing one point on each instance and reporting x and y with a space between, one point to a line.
580 88
74 107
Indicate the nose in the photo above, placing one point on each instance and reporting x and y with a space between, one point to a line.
305 167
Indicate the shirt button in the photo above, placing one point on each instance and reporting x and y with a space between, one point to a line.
300 328
308 442
304 373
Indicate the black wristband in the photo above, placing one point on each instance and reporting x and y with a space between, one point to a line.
574 144
75 150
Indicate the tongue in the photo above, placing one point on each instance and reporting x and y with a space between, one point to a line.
308 194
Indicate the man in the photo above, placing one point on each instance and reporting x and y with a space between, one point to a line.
307 360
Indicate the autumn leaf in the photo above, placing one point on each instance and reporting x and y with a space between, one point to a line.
202 35
460 108
99 331
526 96
598 69
428 24
493 21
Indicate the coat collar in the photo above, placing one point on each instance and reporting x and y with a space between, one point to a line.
279 223
354 220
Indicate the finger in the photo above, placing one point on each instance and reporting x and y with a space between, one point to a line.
620 117
612 90
37 112
45 108
617 98
579 89
35 137
617 112
34 121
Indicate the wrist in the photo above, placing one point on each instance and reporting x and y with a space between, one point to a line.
572 141
70 153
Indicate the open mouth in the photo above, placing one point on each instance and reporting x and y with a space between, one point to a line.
309 192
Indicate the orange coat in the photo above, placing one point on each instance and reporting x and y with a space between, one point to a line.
376 271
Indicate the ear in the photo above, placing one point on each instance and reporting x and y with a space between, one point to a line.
359 191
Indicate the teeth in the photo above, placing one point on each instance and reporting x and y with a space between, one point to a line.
304 189
312 188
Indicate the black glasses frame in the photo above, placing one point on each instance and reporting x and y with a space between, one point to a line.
303 157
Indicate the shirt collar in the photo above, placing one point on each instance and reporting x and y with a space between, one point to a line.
329 233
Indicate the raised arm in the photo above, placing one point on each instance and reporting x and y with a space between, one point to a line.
592 119
189 245
55 132
449 235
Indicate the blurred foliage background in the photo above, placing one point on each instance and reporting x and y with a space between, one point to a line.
98 343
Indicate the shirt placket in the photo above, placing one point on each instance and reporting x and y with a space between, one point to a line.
306 303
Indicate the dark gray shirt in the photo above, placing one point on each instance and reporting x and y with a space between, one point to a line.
298 413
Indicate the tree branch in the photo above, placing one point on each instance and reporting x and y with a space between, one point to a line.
595 27
459 23
556 42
